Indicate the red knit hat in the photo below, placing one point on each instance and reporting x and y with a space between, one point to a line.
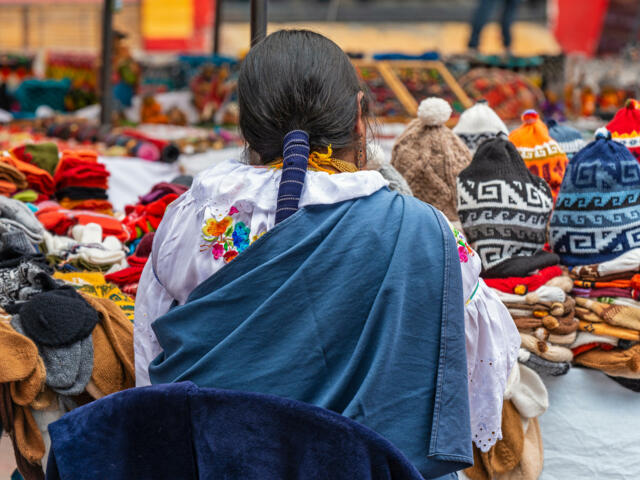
625 127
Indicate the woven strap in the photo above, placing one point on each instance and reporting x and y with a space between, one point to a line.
295 154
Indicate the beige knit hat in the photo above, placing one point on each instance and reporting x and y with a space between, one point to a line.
430 156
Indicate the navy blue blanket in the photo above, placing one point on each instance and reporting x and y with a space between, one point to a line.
182 432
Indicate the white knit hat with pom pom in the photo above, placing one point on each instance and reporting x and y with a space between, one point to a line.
434 111
430 156
479 123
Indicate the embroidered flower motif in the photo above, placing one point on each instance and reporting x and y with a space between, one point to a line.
240 236
462 252
230 255
224 239
214 228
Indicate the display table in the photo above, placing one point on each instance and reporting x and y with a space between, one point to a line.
591 429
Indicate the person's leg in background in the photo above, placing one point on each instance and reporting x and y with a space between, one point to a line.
508 16
480 18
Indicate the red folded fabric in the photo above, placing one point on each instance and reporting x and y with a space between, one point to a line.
59 220
143 219
522 285
128 275
81 169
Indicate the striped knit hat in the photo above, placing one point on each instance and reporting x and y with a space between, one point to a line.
477 124
569 139
541 153
503 207
597 214
625 127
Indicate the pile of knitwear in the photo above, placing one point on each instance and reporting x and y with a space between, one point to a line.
594 229
504 210
27 173
82 182
59 346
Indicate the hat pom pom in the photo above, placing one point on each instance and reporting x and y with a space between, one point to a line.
434 111
602 132
530 116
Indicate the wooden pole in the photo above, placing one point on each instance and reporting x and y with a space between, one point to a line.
258 21
217 21
106 91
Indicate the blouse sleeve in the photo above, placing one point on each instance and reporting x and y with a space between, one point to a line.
492 343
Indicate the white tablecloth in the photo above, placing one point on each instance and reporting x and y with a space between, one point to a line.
591 429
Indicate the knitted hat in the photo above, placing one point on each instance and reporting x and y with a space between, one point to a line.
569 139
625 127
526 391
541 153
478 123
532 460
58 318
504 209
430 156
596 213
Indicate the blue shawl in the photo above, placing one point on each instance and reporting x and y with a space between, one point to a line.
355 307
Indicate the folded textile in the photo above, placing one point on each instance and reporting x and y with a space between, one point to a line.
160 190
617 315
590 346
522 285
99 206
556 325
12 175
583 338
541 295
602 292
82 193
7 188
141 219
37 178
563 282
20 283
542 366
26 196
521 266
564 339
59 221
113 366
629 302
609 330
616 362
627 262
43 155
15 215
553 353
633 282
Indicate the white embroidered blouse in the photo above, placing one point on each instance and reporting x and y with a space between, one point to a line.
231 204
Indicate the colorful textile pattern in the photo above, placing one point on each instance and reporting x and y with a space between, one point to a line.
504 209
597 213
541 154
225 238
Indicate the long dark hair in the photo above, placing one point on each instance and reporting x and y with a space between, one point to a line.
298 80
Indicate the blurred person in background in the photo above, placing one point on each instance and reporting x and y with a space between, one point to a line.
482 15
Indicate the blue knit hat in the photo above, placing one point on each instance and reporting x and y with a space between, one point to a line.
597 213
569 139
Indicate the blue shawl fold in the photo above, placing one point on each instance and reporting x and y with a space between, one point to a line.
180 431
355 307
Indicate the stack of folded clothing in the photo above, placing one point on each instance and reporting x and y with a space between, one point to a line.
59 349
82 182
504 210
11 180
519 454
541 153
40 182
87 249
593 230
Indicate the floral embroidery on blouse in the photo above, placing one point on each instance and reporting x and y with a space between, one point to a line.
464 250
225 237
